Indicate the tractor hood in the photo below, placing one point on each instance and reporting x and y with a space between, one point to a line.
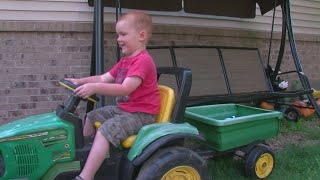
29 125
231 8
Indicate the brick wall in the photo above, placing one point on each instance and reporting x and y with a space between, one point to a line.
34 56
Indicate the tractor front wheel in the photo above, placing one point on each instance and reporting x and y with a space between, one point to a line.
174 163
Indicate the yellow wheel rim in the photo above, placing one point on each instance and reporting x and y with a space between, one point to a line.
264 165
182 173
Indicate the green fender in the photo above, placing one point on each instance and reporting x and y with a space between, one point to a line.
60 168
152 132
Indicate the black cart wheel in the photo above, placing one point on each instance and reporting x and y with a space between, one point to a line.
259 162
292 114
174 163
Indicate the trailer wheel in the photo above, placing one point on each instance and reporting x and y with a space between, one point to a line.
292 114
259 162
174 163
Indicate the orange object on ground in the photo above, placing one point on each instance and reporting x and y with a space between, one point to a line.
265 105
304 108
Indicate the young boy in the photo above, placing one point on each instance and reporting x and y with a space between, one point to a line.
134 83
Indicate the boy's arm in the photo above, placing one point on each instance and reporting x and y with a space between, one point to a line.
92 79
107 78
108 89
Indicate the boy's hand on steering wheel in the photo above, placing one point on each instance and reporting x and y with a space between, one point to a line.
74 81
86 90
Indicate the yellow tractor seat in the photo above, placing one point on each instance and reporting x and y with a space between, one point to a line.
167 102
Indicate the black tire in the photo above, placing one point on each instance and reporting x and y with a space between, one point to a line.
292 114
259 162
172 163
2 166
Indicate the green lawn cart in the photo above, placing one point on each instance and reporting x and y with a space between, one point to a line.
51 146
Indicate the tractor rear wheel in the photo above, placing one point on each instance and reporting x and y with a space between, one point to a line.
174 163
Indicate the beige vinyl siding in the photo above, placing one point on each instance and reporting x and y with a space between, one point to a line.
305 14
45 10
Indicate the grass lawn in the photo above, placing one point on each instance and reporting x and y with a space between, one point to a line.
297 154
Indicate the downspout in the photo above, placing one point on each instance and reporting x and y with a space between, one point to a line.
99 46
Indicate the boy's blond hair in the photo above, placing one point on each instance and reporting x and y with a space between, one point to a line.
141 20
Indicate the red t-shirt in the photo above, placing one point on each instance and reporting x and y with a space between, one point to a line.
146 97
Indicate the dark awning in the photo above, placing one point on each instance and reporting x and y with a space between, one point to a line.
231 8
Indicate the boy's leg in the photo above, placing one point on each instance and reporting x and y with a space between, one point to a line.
101 115
120 126
88 129
99 149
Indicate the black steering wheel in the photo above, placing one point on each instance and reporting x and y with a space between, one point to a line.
70 86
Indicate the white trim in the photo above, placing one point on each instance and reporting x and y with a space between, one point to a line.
305 15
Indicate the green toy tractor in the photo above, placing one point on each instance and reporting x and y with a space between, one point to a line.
51 145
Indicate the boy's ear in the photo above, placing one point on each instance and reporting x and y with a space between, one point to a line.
143 35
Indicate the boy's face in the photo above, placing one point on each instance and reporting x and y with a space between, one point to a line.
129 39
